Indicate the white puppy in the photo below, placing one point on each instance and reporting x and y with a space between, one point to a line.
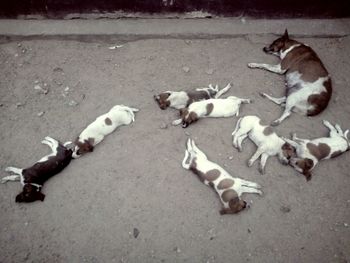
228 188
264 137
102 126
310 152
214 108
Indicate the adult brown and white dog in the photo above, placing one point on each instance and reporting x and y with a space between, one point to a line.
181 99
310 152
308 84
212 108
265 138
33 177
103 125
228 188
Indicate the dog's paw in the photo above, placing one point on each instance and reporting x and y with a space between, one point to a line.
275 123
262 94
250 163
293 135
176 122
261 170
253 65
259 192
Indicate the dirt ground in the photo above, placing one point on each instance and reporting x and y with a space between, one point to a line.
134 182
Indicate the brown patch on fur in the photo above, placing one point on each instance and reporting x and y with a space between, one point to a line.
225 183
229 195
210 108
197 96
86 146
336 154
268 131
288 150
162 100
320 151
210 176
306 165
108 121
192 117
320 101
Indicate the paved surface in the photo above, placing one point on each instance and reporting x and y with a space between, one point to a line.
134 179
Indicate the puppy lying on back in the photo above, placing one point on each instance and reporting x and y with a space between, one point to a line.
228 188
310 152
102 126
214 108
33 178
181 99
264 137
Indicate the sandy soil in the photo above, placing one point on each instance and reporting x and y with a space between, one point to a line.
134 179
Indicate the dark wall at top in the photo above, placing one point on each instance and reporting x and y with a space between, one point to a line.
255 8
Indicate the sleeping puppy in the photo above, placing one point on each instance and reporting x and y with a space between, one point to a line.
102 126
33 178
181 99
228 188
267 141
214 108
310 152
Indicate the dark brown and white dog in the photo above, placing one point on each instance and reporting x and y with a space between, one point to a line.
33 178
310 152
308 84
264 137
103 125
181 99
228 188
212 108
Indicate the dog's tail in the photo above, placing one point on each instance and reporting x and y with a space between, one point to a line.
224 90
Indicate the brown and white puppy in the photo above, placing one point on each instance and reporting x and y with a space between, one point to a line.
264 137
102 126
181 99
33 177
310 152
308 84
212 108
228 188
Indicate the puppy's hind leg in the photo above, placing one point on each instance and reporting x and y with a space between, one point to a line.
255 156
263 161
250 190
278 101
272 68
223 91
13 178
14 170
187 160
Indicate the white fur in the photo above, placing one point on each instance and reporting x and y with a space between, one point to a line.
227 107
119 115
204 165
283 54
268 145
337 141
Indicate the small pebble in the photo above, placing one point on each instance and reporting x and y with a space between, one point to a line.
187 133
177 250
136 232
230 158
346 225
285 209
163 126
19 104
210 71
73 103
186 69
40 113
66 89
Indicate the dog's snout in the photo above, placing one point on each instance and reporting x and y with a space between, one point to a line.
184 125
266 49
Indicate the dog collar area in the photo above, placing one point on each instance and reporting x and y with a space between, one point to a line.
36 185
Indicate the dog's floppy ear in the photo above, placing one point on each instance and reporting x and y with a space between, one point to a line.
286 36
40 196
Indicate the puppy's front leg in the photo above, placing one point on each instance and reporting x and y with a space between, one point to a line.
278 101
255 156
272 68
263 161
14 170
